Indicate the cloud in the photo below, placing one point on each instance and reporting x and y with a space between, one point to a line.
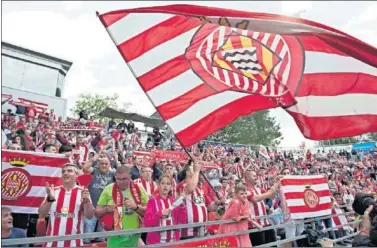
295 7
72 5
364 26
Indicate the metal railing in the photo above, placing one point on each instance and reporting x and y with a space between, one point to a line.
44 239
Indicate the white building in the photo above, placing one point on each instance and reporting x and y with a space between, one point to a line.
33 76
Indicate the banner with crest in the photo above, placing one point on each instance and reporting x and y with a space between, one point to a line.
23 178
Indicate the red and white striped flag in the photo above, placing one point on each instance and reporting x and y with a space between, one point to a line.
39 106
306 196
5 98
263 151
340 220
203 67
23 178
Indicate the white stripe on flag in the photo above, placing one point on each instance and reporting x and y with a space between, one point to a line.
202 108
134 24
331 106
174 88
162 53
318 62
301 188
35 170
37 191
301 202
310 214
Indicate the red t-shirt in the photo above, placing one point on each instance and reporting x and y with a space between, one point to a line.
20 124
31 112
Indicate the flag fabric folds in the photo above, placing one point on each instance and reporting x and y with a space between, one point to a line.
23 178
306 196
204 67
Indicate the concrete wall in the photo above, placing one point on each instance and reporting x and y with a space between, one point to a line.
56 103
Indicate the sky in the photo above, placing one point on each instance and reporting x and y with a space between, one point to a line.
70 30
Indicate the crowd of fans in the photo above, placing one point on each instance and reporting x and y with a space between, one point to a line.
132 188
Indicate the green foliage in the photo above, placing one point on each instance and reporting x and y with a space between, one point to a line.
94 104
372 136
256 129
341 141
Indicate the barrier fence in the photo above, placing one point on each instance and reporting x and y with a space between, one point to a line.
201 226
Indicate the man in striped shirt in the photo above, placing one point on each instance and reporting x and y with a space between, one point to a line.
146 181
256 196
66 205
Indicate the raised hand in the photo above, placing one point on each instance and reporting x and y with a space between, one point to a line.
50 190
85 196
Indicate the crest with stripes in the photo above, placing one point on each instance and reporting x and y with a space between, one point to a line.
229 58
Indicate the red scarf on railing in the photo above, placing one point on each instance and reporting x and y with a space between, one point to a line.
118 201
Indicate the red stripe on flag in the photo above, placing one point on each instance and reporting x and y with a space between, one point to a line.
300 195
317 84
33 159
149 39
40 181
109 19
35 102
195 11
306 209
163 73
178 105
315 44
299 182
351 125
26 201
222 117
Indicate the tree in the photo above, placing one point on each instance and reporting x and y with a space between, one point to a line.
340 141
94 104
372 136
258 128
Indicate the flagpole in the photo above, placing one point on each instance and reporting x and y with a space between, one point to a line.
134 74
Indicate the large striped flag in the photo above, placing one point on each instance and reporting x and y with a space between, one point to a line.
23 178
306 196
39 106
204 67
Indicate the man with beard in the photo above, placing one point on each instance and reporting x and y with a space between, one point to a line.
66 205
120 207
102 176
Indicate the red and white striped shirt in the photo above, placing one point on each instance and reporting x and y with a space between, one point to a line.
82 152
263 184
257 209
196 208
150 187
66 217
160 204
134 139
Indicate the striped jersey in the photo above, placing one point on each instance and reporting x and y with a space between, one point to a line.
256 208
66 217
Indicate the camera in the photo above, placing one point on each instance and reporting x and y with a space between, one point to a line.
362 202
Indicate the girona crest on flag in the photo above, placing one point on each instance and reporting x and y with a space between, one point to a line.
230 58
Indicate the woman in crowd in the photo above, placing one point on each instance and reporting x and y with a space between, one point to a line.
159 212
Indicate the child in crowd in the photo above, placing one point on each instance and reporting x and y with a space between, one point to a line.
238 210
